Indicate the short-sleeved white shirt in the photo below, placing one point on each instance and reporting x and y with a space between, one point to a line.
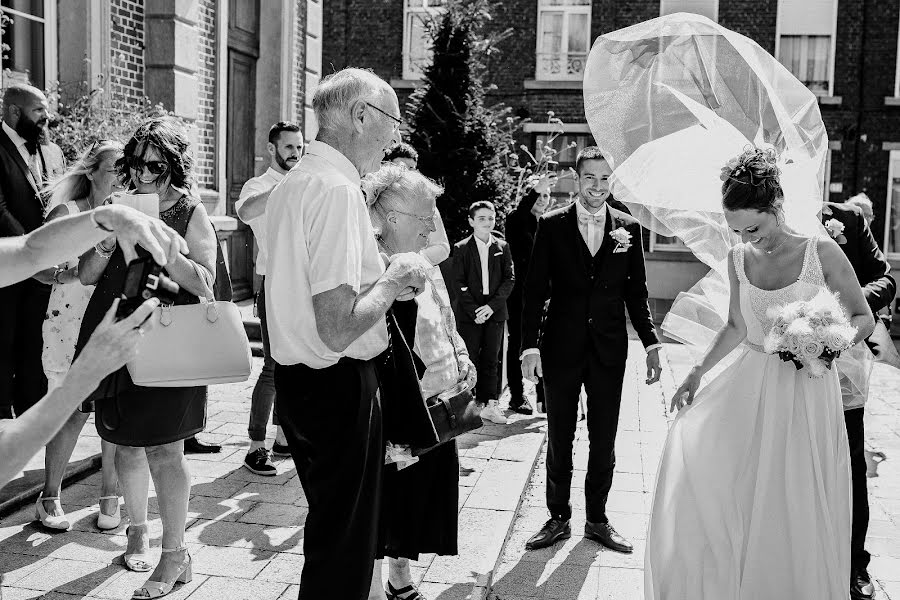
254 186
319 238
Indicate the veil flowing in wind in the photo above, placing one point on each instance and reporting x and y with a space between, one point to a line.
669 101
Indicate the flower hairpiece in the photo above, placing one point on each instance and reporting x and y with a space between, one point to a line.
752 156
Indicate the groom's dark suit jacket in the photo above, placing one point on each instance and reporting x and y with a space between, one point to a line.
872 269
21 209
588 295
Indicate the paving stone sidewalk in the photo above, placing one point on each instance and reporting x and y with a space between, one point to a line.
245 532
579 568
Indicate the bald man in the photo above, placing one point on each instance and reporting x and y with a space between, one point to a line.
27 162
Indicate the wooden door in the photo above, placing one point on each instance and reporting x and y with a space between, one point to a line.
243 50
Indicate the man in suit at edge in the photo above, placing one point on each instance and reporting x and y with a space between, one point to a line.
27 162
588 260
484 277
847 225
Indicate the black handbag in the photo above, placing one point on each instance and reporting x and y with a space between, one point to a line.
454 411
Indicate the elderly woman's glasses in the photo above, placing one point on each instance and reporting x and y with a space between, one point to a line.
156 167
397 122
427 221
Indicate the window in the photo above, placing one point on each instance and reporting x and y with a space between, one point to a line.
567 188
31 39
892 222
805 41
662 243
564 39
416 44
707 8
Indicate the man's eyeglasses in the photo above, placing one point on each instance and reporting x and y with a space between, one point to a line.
428 221
156 167
397 122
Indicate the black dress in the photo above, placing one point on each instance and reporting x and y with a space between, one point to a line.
129 414
420 503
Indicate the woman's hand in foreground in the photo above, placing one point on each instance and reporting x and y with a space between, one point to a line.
114 343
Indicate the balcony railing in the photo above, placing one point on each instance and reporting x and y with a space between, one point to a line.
561 65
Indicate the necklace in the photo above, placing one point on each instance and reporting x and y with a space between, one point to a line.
771 250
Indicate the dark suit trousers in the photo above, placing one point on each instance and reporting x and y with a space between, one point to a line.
484 343
859 558
562 387
332 420
513 364
23 307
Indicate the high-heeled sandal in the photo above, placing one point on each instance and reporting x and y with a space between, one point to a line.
139 561
47 520
158 589
394 594
112 521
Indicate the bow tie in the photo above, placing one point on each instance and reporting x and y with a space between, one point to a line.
598 219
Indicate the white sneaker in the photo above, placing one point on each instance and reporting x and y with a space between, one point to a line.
491 412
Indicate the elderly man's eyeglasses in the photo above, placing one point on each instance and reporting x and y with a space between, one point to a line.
427 221
397 122
156 167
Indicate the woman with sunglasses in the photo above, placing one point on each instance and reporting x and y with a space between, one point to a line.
83 187
150 424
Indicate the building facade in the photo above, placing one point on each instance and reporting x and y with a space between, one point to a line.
229 68
846 51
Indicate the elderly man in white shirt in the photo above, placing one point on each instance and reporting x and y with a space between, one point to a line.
285 148
327 293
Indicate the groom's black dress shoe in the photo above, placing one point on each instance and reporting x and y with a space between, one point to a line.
193 446
520 405
552 531
861 587
607 536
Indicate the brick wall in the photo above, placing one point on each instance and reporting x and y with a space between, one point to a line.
369 33
299 69
205 153
126 70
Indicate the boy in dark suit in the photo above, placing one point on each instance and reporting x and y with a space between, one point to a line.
484 280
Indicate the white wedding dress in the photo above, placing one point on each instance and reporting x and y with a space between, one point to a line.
752 497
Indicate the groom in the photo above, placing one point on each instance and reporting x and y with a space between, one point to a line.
588 260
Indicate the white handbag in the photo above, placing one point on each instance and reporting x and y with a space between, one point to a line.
192 345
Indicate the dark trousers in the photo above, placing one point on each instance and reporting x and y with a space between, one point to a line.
859 558
562 387
513 364
263 399
23 307
484 343
332 420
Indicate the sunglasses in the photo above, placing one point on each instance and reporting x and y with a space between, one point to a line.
156 167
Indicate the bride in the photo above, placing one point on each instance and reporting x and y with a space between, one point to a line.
752 495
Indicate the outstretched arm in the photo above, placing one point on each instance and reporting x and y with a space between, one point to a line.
729 337
61 239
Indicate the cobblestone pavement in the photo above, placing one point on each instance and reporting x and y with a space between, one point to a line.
245 532
246 537
579 569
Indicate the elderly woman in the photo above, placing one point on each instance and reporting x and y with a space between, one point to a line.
420 501
150 423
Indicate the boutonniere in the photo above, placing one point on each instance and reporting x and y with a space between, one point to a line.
836 230
622 238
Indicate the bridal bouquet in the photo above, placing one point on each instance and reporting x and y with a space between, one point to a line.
810 333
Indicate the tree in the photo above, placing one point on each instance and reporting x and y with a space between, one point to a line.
462 143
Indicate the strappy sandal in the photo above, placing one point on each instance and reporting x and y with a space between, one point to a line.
394 594
157 589
139 561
